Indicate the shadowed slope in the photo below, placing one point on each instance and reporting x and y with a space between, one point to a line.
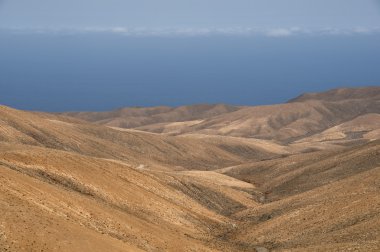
340 216
365 127
326 202
283 177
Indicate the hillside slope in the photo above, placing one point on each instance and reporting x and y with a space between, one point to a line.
56 200
341 94
135 148
71 185
307 115
59 201
317 202
135 117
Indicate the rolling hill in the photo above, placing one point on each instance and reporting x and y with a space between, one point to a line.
300 176
302 117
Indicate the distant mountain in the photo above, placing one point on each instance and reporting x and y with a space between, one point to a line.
135 117
341 94
304 116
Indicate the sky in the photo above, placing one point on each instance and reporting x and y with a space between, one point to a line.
190 13
99 55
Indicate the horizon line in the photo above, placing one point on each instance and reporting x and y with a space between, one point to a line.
278 32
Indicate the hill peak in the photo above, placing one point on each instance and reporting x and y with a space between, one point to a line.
340 94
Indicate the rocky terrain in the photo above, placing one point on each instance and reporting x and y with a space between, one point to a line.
300 176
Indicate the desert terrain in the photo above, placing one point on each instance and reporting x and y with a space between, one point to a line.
298 176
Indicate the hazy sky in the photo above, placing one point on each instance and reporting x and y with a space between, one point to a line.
190 13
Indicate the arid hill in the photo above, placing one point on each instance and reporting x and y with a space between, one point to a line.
303 117
135 117
330 205
133 147
341 94
301 176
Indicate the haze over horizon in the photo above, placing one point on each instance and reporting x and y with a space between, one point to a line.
95 55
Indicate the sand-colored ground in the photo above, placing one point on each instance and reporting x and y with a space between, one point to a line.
71 185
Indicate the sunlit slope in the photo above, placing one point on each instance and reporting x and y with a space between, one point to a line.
60 201
339 94
134 148
139 116
304 116
306 181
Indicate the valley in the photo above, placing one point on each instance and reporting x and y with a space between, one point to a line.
298 176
